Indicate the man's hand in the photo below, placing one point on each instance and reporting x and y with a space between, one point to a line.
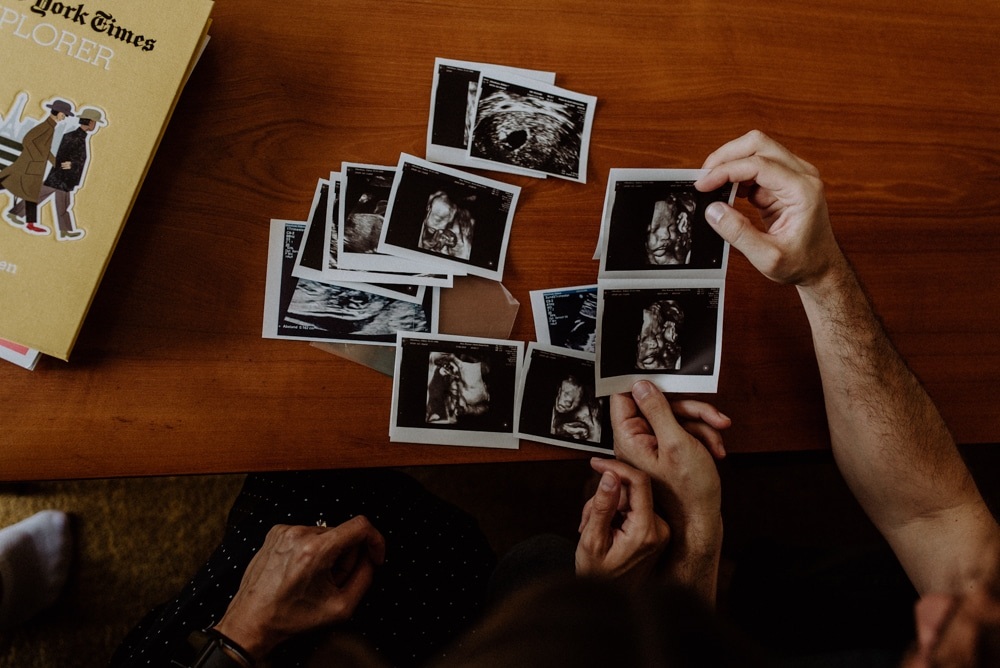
301 579
797 243
621 537
685 481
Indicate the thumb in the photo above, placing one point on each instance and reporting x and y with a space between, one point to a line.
737 229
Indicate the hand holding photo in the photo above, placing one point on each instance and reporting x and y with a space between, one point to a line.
451 390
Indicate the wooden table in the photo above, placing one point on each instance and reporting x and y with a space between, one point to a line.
896 103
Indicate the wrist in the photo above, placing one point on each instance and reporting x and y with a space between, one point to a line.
217 650
255 642
830 279
702 537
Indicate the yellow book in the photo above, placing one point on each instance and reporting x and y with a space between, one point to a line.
86 90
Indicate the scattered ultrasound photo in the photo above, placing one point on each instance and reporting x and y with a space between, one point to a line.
558 401
655 225
671 336
452 218
453 102
527 124
365 197
307 310
366 191
317 253
566 317
455 391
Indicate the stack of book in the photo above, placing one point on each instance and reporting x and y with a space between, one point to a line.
86 94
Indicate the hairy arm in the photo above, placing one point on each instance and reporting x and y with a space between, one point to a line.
891 444
888 438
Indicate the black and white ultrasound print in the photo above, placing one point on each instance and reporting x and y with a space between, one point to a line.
654 226
454 90
532 126
451 219
454 390
566 317
307 310
669 334
558 402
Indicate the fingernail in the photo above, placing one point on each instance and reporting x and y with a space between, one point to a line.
608 482
724 416
714 212
642 389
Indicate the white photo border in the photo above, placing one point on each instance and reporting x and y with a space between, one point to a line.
446 436
569 353
667 382
680 176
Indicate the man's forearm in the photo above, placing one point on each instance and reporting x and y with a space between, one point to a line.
889 440
692 559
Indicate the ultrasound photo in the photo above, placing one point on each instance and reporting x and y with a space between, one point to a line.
566 317
654 225
455 391
559 404
303 309
366 196
455 219
453 104
365 191
316 252
669 335
533 126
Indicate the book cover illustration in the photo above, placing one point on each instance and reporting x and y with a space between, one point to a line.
85 96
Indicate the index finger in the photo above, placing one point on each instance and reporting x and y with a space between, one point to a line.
640 490
766 172
756 142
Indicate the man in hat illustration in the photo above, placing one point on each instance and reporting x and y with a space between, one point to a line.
65 177
23 177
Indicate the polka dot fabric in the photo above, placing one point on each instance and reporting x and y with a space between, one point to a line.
431 588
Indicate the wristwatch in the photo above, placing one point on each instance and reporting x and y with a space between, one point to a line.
217 651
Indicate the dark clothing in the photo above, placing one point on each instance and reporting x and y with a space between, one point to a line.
72 149
426 594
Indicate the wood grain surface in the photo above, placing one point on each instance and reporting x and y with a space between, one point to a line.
896 103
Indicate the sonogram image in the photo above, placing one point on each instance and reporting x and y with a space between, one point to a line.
540 133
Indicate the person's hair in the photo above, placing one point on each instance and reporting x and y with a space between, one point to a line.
583 622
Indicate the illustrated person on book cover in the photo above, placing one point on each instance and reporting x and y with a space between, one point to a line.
67 175
23 178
